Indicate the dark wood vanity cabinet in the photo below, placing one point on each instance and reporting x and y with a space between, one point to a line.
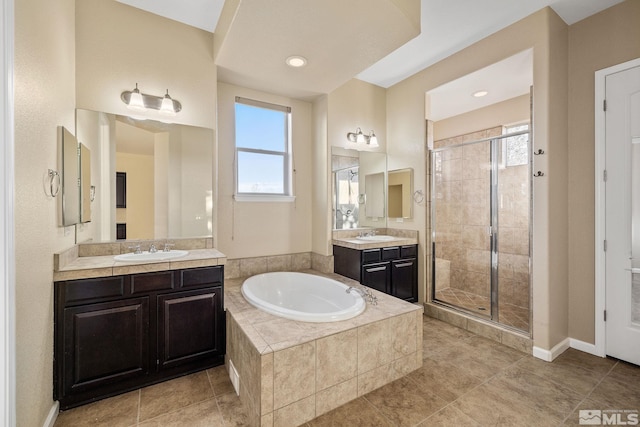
392 270
119 333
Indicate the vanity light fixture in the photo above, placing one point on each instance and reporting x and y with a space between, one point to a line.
142 102
359 138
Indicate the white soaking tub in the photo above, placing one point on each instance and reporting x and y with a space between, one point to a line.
301 296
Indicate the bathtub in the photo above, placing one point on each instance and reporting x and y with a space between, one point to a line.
303 297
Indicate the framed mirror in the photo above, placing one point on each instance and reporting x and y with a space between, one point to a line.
400 193
69 198
353 200
169 178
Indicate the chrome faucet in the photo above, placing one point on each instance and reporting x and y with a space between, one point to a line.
167 247
153 249
136 248
364 293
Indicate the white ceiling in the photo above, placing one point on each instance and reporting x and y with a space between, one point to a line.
262 30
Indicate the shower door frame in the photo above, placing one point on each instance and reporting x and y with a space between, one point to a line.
493 227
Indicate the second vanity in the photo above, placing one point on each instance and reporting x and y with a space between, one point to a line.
387 263
120 325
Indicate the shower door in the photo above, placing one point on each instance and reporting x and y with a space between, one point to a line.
480 228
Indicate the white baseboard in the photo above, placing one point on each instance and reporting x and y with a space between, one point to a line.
53 415
584 346
550 355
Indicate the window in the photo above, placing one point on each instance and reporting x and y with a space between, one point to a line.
516 148
263 151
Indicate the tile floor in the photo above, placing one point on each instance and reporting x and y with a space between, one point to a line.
510 315
466 380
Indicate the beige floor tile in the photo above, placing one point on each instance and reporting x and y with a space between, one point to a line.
166 397
220 382
448 417
404 403
202 414
447 381
120 411
234 413
614 394
357 413
598 365
573 377
489 405
544 395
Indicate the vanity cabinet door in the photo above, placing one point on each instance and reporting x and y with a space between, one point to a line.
104 344
190 326
404 278
377 276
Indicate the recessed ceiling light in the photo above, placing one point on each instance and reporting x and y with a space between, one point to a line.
296 61
480 93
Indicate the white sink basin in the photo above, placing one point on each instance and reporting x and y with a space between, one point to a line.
378 238
150 256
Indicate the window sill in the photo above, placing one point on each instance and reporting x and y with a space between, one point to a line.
264 198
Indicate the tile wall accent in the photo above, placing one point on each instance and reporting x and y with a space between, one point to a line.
89 249
346 234
246 267
322 263
488 330
291 372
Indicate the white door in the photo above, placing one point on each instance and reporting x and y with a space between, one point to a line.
622 212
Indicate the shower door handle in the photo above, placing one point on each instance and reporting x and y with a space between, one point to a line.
490 231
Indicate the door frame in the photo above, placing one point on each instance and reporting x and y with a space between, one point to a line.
600 220
7 223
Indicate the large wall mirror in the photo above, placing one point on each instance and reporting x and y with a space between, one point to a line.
169 177
358 188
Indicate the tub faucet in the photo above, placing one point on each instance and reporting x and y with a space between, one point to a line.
364 293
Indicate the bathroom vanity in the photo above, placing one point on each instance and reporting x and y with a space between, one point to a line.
144 323
388 266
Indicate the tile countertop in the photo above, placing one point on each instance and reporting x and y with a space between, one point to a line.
355 243
85 267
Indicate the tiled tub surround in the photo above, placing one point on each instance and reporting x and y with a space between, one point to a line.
246 267
87 260
291 372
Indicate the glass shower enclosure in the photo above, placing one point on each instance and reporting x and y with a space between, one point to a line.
481 226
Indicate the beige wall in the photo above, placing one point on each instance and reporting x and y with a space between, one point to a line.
357 104
44 98
507 112
138 215
603 40
321 191
250 229
119 45
546 33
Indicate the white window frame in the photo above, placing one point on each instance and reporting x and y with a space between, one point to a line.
287 195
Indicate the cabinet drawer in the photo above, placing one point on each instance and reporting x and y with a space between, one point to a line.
143 283
201 276
408 251
390 253
87 290
370 255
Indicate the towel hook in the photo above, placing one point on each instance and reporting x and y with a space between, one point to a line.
52 178
538 152
538 174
